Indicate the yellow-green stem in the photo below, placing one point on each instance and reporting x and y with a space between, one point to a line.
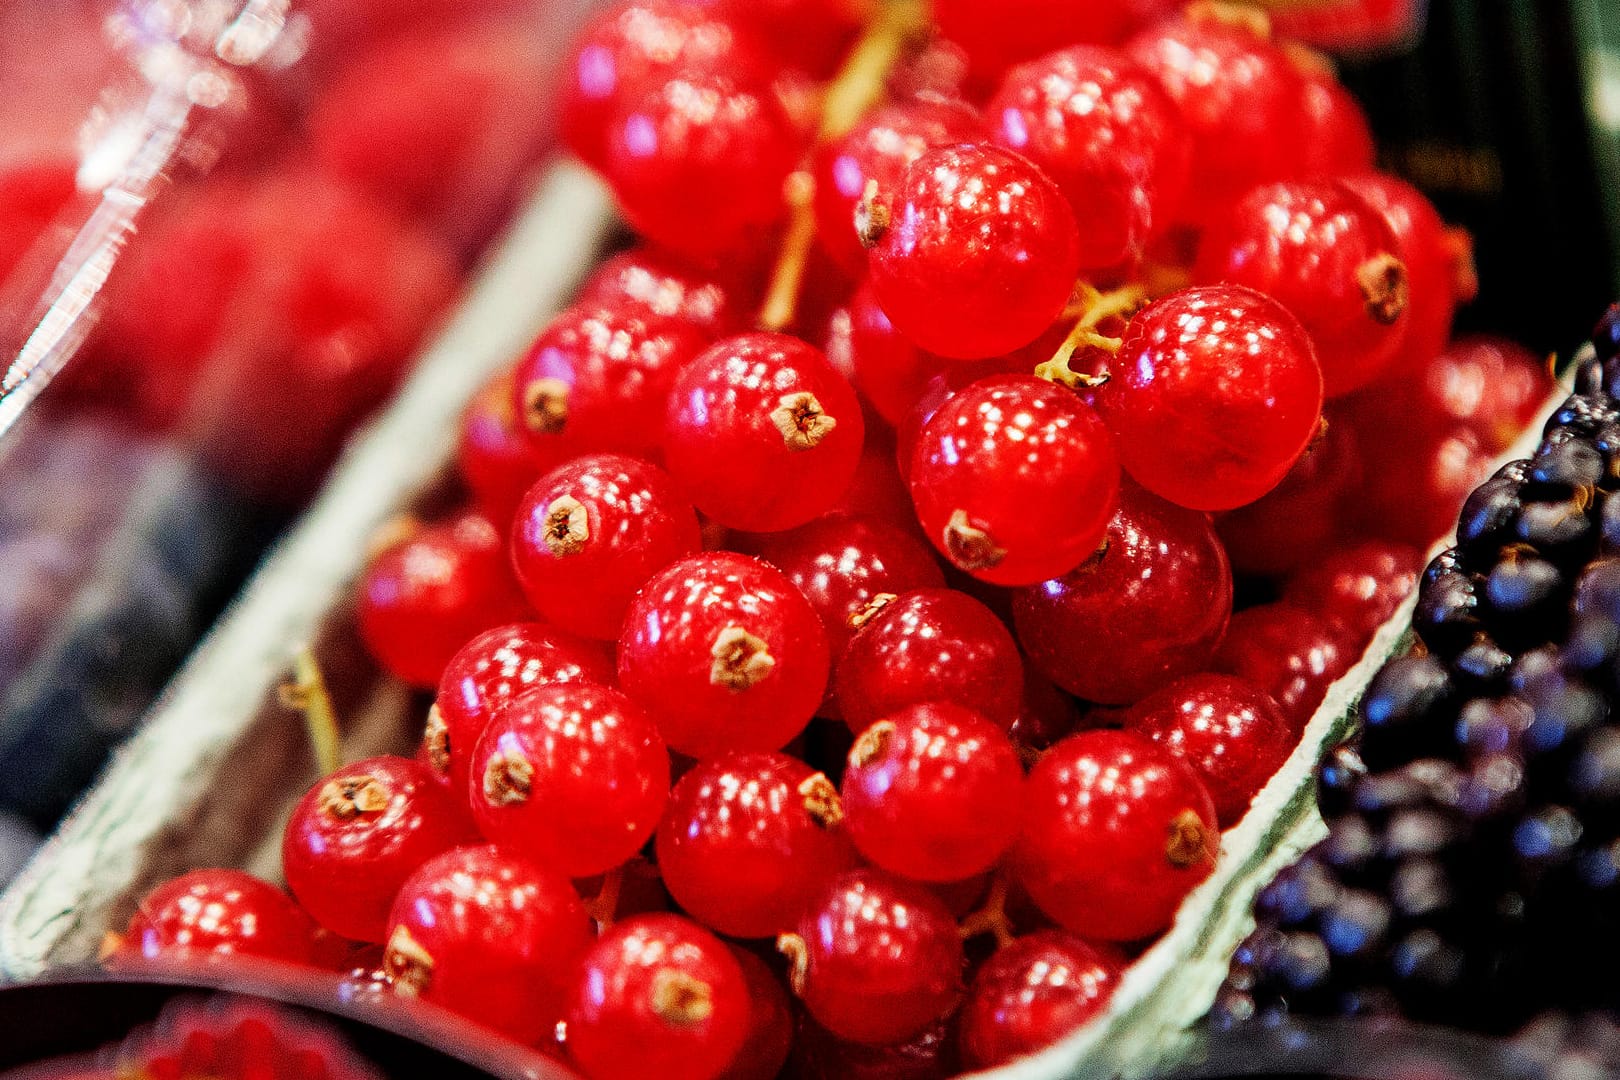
308 694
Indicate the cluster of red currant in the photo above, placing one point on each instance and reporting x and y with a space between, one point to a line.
1075 298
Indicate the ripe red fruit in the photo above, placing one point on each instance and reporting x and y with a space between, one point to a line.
1108 135
666 289
359 833
770 1023
1493 387
748 838
1117 830
998 35
1338 140
492 669
974 252
1013 479
876 958
1361 585
1213 396
1415 479
1030 994
1227 729
657 996
725 653
1150 607
929 645
762 433
591 532
572 775
219 912
1292 653
493 454
933 792
490 935
422 598
889 371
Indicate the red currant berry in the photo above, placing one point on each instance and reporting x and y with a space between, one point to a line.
359 833
725 653
762 432
1110 137
998 35
1117 830
1228 730
748 838
1032 993
933 792
492 669
876 958
490 935
877 150
1291 653
1215 393
591 532
493 455
770 1023
1493 387
596 379
1415 479
889 370
658 996
974 253
842 562
1330 258
929 645
219 913
1149 607
1013 479
1338 140
666 289
572 775
1045 715
422 598
927 1055
1362 585
698 163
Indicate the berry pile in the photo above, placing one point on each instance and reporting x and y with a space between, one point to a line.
891 627
1474 842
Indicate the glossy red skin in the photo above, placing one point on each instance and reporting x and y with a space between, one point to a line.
345 871
877 490
423 598
1302 244
1093 857
1031 994
1151 608
1029 464
1290 652
980 254
770 1023
932 644
739 848
1228 730
1242 101
818 1054
813 34
1493 387
614 1029
998 35
1338 139
698 163
885 960
888 369
727 453
217 913
1215 393
493 455
940 800
1414 480
667 289
636 522
878 148
841 561
1362 584
666 662
1106 132
634 46
1045 714
504 935
618 364
1297 521
497 666
600 777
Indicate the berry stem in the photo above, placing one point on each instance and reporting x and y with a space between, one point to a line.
604 906
1093 308
308 694
991 917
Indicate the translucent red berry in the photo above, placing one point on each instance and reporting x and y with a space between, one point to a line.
725 653
490 935
359 833
572 775
889 371
1117 830
974 252
1013 479
1338 138
770 1023
933 792
666 289
1489 385
762 433
493 456
591 532
1031 994
657 996
1362 585
1149 607
1215 393
748 838
998 35
1292 653
219 912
